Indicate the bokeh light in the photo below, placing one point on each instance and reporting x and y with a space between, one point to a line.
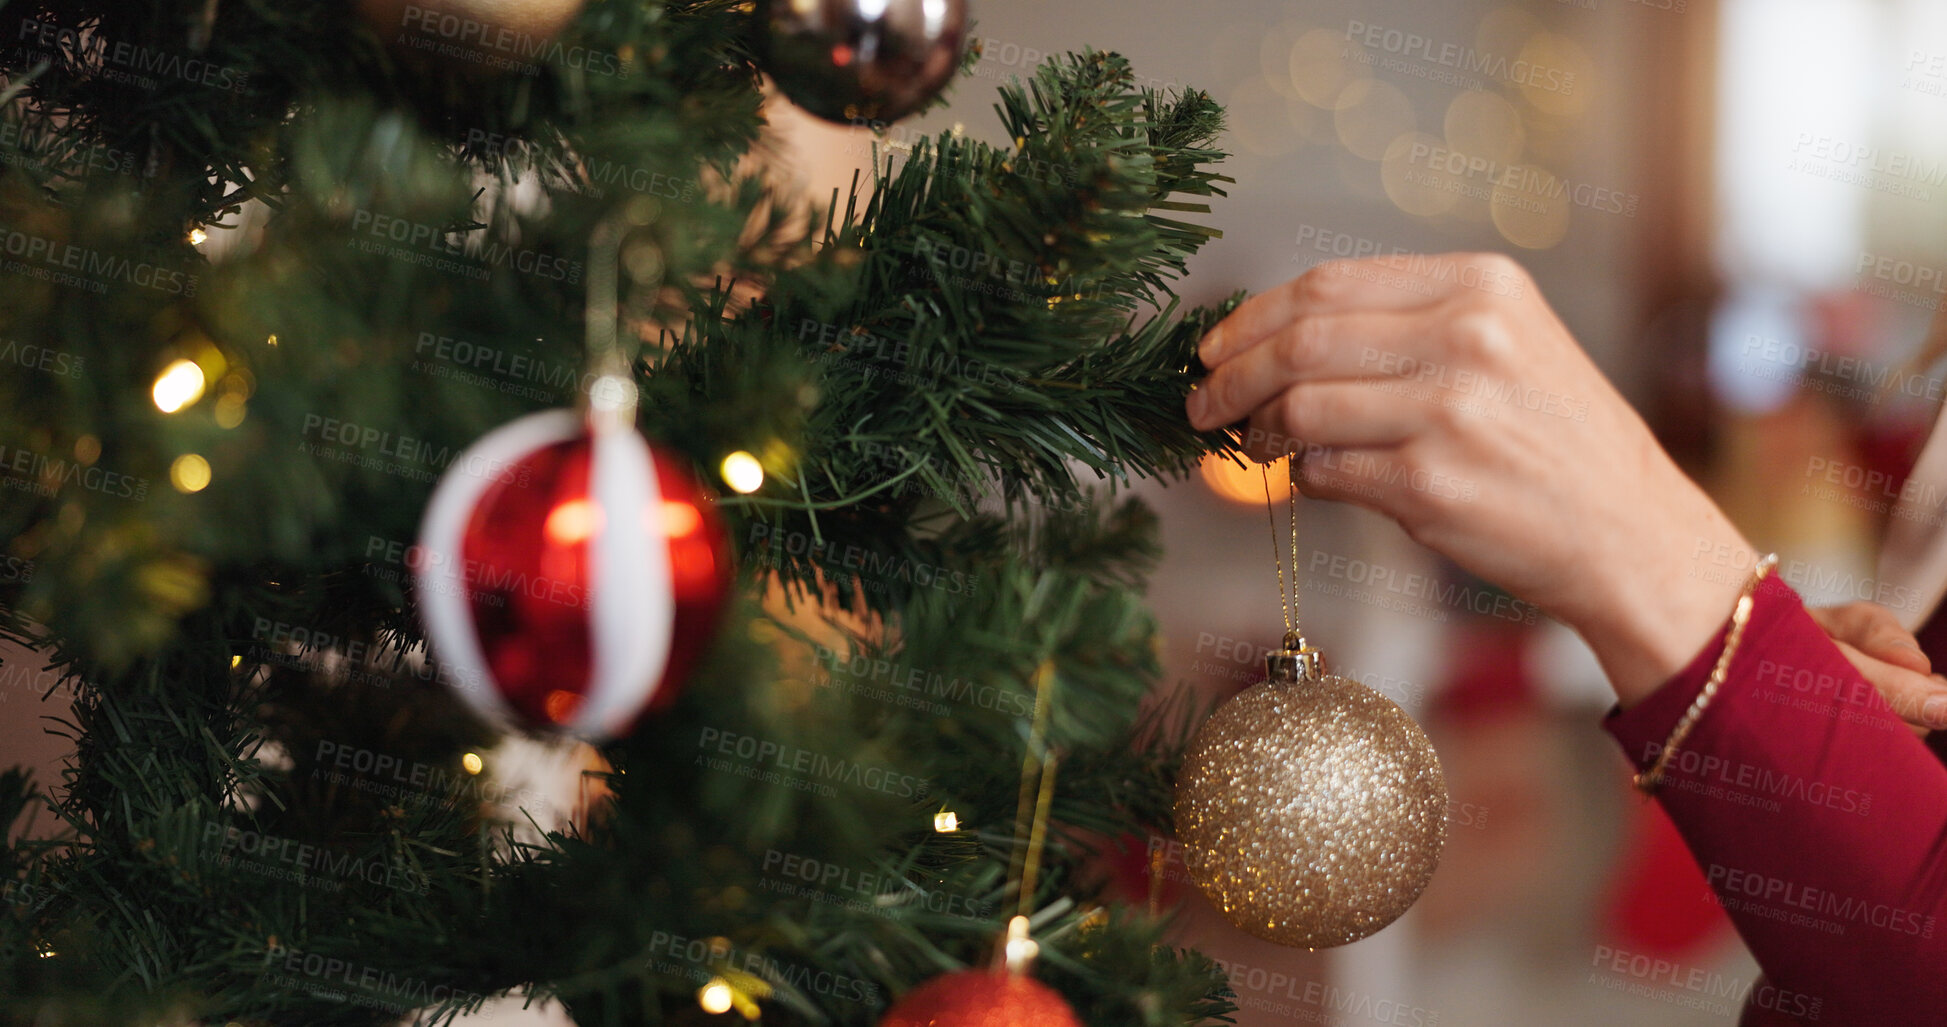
1370 114
715 997
742 472
230 408
1558 75
1531 207
679 520
1415 183
1245 484
1274 57
1323 63
190 473
179 385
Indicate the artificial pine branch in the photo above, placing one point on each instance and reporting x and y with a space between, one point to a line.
201 729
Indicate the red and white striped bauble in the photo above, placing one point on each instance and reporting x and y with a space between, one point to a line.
570 574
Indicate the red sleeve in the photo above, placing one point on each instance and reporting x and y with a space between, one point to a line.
1819 820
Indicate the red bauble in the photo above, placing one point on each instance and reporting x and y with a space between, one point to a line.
981 998
547 599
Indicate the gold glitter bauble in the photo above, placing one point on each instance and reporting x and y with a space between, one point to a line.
1311 809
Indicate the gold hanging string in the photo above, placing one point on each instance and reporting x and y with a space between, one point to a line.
1292 463
1277 558
1032 807
1287 599
1038 835
1030 810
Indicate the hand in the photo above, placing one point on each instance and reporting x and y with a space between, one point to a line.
1444 393
1889 657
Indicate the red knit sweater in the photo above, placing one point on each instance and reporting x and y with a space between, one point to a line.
1819 820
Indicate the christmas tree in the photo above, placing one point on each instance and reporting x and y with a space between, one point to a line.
216 460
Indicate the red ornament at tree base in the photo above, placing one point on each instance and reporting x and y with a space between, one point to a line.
474 37
570 575
981 998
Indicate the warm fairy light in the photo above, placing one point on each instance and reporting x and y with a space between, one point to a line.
473 763
679 519
1369 114
229 411
272 340
1021 949
190 473
196 236
1417 184
1560 62
1535 216
742 472
1323 62
179 385
946 821
573 521
716 996
1245 484
235 662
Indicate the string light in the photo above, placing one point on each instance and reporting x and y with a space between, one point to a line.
179 385
197 236
1238 483
1021 949
946 821
742 472
716 996
473 763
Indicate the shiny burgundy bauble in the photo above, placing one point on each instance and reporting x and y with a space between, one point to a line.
861 62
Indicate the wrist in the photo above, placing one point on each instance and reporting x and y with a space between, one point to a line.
1656 610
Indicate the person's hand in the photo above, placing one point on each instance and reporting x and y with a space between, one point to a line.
1888 656
1444 393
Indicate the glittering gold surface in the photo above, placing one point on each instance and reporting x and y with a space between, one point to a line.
1311 812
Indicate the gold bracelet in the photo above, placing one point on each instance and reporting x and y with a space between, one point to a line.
1649 779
